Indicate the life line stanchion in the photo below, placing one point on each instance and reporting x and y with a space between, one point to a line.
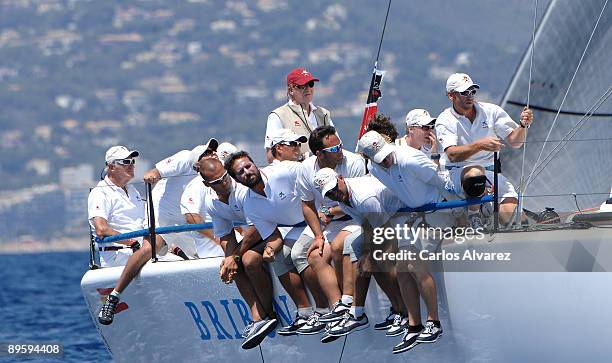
496 168
151 222
92 246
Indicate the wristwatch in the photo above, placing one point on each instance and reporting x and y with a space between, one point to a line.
435 156
325 210
236 258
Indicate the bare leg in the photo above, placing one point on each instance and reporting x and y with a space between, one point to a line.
410 295
388 283
337 247
427 288
247 292
348 281
506 210
312 282
292 283
135 263
362 283
259 279
325 274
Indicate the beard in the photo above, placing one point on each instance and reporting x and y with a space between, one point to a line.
252 180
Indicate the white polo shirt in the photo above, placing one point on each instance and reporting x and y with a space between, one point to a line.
281 205
411 177
176 172
453 129
225 215
351 166
192 199
370 199
123 212
274 123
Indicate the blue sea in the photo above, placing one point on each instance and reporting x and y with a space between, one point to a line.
41 301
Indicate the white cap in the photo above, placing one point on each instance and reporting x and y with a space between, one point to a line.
119 152
459 82
326 179
224 150
419 117
200 149
286 135
374 146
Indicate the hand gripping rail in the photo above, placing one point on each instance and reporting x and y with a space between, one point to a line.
196 227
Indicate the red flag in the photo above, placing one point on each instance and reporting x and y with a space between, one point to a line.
372 103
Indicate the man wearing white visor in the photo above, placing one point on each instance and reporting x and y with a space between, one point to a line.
171 176
471 131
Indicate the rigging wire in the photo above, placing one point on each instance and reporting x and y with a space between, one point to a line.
529 178
571 133
382 35
522 179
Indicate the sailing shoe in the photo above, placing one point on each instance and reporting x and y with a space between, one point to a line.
400 324
258 332
386 324
409 340
336 313
431 333
350 324
247 330
327 338
107 311
291 329
476 221
312 326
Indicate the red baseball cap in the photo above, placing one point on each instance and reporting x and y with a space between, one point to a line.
300 76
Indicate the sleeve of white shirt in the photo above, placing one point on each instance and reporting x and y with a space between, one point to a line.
446 134
97 204
504 124
356 167
374 212
424 169
444 184
303 185
177 164
274 123
192 198
221 226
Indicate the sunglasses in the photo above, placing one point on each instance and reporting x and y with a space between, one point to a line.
216 181
427 127
290 143
303 87
333 149
468 93
124 161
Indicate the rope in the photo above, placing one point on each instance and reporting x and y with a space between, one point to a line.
522 179
383 33
567 92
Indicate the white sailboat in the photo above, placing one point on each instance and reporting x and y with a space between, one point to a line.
550 302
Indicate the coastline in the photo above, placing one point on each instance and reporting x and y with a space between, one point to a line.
36 246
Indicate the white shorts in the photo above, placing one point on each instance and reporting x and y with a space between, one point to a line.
506 189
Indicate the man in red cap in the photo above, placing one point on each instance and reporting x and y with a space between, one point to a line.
299 114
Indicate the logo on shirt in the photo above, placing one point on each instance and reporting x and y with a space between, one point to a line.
282 195
138 198
296 123
484 124
399 179
236 208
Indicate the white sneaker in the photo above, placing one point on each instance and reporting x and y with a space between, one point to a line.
430 334
400 324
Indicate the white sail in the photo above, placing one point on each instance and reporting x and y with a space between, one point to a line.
576 166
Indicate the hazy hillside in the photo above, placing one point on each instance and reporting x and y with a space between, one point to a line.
160 76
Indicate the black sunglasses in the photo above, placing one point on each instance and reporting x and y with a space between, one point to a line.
468 92
290 143
125 161
309 85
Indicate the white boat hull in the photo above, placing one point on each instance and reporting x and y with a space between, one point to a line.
181 312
